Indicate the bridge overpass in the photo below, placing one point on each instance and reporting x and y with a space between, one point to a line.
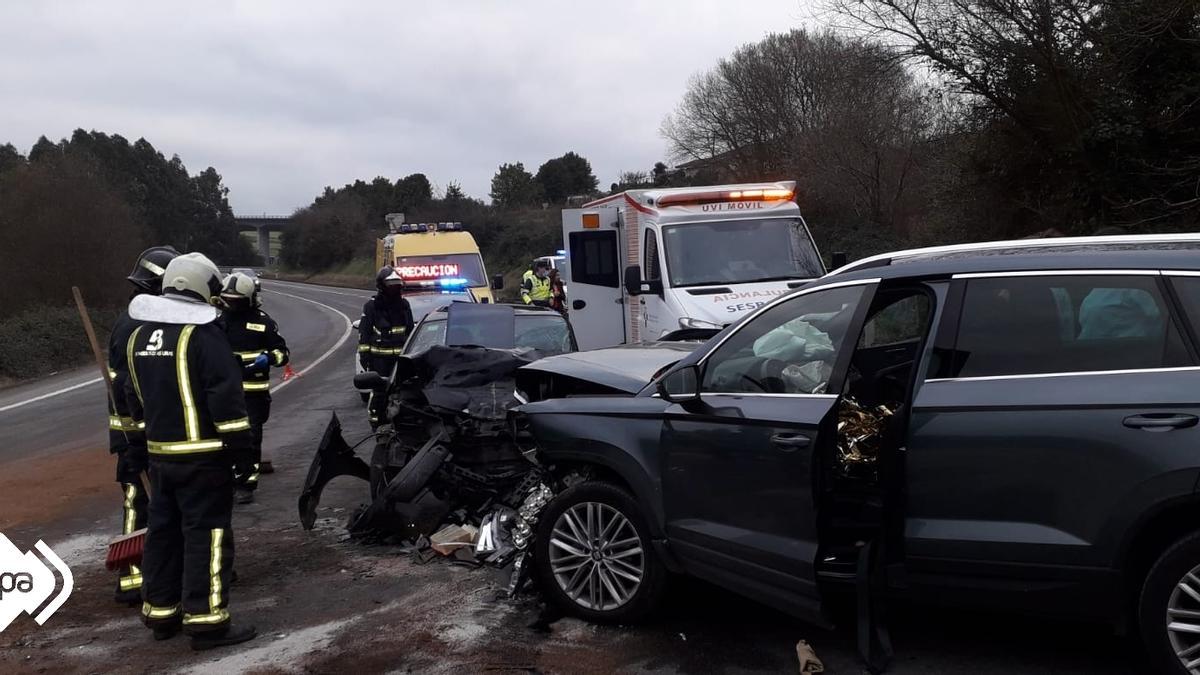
264 225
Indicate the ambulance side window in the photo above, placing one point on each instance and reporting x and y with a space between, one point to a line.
650 266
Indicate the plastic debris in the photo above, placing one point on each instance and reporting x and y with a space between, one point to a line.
527 514
809 663
452 537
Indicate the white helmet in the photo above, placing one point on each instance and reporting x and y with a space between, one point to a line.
193 276
238 286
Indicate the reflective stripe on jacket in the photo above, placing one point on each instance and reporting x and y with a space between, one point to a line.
534 288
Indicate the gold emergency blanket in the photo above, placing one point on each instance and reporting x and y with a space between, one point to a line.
860 433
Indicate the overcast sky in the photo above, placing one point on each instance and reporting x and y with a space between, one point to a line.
284 98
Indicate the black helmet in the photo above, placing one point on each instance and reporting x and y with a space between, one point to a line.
388 281
148 271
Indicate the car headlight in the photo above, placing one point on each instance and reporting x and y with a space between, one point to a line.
689 322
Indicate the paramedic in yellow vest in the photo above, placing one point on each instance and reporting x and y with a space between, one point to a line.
535 285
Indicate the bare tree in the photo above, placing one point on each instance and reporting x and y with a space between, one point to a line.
838 114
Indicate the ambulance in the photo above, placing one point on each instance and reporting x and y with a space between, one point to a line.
435 258
643 264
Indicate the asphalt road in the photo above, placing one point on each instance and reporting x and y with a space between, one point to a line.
325 604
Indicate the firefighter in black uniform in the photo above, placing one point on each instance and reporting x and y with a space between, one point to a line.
384 326
185 384
256 342
125 437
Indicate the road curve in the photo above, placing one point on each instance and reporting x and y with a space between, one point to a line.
65 412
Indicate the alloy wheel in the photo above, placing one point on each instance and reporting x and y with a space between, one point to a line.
596 556
1183 620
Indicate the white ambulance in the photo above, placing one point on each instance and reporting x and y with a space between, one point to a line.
645 263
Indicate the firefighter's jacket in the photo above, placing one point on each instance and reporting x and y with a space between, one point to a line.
184 381
123 431
251 333
384 326
535 289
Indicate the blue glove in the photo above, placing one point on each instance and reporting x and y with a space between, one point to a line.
261 362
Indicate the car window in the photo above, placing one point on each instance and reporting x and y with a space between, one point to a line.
548 334
1188 289
903 320
650 260
789 349
1055 324
429 333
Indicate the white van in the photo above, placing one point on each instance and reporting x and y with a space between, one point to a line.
645 263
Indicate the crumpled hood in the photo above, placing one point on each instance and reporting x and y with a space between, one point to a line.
168 309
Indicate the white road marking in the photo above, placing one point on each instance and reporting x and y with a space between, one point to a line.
341 341
52 394
323 290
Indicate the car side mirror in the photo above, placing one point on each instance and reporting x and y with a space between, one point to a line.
497 282
681 386
838 259
635 285
370 380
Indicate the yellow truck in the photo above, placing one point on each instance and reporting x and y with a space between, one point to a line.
436 257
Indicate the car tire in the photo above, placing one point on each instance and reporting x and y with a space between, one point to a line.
611 566
1161 593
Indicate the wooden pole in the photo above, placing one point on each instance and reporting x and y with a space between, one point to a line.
91 335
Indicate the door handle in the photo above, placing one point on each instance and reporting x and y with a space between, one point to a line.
790 442
1161 421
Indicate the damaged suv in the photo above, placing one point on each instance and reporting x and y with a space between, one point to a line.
1011 424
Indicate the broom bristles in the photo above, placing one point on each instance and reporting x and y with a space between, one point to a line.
125 550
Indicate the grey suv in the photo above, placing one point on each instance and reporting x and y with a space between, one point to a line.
1011 424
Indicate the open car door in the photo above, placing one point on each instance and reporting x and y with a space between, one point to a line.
743 457
596 299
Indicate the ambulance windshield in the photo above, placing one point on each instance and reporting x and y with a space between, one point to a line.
739 252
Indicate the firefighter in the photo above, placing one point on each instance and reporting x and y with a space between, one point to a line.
125 437
256 342
384 326
535 285
186 386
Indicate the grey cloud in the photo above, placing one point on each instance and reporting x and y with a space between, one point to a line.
284 98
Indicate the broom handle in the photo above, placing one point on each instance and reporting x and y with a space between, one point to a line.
91 335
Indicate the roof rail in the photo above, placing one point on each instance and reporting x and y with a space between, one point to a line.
883 259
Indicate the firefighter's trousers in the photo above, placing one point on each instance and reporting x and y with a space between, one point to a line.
188 559
133 517
258 409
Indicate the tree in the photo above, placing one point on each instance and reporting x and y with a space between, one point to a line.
454 194
513 187
565 176
413 191
327 234
1081 112
60 211
837 114
10 158
660 175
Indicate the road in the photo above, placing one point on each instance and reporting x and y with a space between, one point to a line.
325 604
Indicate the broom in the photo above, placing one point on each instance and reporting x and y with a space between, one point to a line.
127 549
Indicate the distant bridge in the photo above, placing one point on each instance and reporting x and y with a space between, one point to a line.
264 225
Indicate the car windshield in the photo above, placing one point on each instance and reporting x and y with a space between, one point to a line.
548 334
740 251
440 268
